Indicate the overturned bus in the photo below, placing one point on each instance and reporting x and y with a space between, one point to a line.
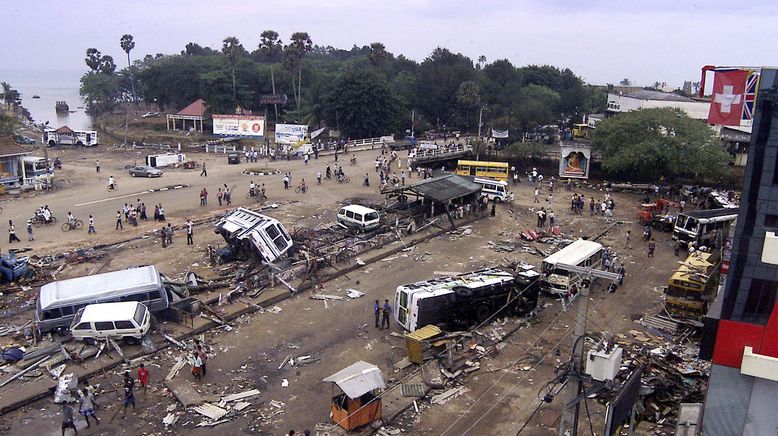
252 233
466 298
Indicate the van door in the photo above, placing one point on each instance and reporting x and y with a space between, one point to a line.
103 329
359 219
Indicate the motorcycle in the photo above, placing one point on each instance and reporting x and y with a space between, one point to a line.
57 164
38 220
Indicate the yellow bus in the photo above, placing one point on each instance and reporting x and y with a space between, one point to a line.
693 285
483 169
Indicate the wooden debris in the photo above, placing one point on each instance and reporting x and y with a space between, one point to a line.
451 393
180 362
174 341
170 419
240 395
23 372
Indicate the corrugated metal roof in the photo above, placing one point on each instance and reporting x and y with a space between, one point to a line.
358 379
445 188
648 94
10 148
196 109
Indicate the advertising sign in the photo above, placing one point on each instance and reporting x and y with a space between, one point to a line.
574 161
239 125
291 133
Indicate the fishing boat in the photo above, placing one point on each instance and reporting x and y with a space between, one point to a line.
36 96
62 107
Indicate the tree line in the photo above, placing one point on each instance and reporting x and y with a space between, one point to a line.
364 91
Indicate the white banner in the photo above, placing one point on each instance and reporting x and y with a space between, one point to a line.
239 125
316 133
290 133
499 134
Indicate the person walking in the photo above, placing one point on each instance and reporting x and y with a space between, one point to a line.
67 419
161 212
227 195
169 233
197 366
651 247
377 312
367 180
143 215
202 198
627 240
387 310
537 192
97 165
91 222
622 273
143 377
551 217
119 220
402 178
203 358
12 233
189 232
219 195
30 236
87 406
127 388
286 181
494 207
204 172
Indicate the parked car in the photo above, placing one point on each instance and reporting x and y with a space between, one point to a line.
233 157
21 139
145 171
150 115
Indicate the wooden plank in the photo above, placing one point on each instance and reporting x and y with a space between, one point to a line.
180 362
184 392
240 395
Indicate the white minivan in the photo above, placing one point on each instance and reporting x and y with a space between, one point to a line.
128 321
495 189
358 217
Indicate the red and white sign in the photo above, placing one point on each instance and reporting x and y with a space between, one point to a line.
726 105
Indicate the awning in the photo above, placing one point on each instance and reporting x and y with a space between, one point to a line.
358 379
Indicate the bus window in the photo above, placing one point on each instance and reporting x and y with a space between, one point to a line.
691 224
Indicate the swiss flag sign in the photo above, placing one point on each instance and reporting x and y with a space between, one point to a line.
726 103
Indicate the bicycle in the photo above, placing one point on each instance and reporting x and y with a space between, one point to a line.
38 220
344 179
77 224
300 189
115 187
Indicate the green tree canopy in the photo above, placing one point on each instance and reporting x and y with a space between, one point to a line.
363 105
651 143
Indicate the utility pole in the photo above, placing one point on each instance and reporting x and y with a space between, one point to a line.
480 123
413 117
569 422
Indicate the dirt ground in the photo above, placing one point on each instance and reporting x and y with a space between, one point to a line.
341 332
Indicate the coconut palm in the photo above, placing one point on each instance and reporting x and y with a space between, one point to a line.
128 44
231 48
270 47
377 53
93 59
303 44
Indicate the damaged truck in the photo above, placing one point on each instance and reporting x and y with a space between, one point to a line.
460 300
250 233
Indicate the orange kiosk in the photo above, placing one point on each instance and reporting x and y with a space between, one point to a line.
356 404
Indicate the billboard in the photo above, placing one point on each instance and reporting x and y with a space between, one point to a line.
239 125
291 133
574 161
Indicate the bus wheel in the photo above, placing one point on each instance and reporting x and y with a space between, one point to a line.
482 312
462 291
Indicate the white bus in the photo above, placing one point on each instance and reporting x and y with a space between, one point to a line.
703 226
466 298
85 138
559 281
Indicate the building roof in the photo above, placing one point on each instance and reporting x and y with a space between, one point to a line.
10 148
648 94
196 109
358 379
64 130
444 188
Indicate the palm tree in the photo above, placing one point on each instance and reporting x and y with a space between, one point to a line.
93 58
270 47
302 42
625 82
377 53
128 44
231 49
6 94
481 61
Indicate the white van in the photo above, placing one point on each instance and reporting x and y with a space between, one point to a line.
128 321
495 189
358 217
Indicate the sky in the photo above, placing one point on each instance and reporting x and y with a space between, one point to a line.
603 41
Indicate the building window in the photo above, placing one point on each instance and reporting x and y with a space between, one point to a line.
760 301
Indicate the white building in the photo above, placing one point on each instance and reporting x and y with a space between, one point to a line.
648 99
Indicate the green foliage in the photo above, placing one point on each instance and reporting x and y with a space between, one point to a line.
525 152
10 95
101 92
93 58
7 123
362 104
651 143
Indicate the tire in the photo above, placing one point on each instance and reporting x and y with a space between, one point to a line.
36 222
497 200
483 312
79 224
129 340
463 291
65 227
132 174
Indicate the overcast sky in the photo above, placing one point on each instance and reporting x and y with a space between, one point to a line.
603 41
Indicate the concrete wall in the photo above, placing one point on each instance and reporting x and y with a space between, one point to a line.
622 103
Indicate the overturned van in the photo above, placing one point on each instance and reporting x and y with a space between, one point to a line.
253 233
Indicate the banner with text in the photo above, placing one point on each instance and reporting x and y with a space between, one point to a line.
239 125
499 134
291 133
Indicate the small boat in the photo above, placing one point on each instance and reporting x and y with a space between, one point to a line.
62 106
36 96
